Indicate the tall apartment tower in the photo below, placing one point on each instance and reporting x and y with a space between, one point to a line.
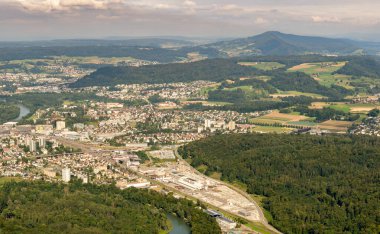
66 175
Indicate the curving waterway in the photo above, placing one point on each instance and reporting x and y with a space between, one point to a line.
24 111
179 226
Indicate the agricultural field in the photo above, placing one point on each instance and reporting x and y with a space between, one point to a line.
295 93
354 108
270 129
263 78
346 107
335 126
281 119
303 123
323 73
265 66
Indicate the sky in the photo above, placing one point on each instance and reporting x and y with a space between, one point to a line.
61 19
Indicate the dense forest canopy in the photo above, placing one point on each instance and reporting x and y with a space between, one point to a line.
8 112
212 70
312 184
362 66
40 207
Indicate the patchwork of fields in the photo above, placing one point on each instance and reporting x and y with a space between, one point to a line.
324 73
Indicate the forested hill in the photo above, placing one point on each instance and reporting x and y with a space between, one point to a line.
362 66
157 54
212 70
40 207
218 70
277 43
312 184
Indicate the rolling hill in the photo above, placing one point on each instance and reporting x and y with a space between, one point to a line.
277 43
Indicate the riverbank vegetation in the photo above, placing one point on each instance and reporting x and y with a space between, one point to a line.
40 207
8 112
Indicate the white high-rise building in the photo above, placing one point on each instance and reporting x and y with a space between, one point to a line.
66 175
42 142
60 125
32 145
208 123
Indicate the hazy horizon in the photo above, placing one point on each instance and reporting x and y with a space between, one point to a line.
26 20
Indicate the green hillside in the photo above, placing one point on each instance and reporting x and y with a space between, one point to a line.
312 184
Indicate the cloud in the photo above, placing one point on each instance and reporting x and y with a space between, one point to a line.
261 20
188 17
325 19
67 5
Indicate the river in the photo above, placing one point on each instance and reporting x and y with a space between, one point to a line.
24 111
179 226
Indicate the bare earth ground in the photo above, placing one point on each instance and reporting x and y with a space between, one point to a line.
276 114
334 125
301 66
361 109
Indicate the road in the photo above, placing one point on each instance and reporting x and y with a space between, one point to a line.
87 148
263 220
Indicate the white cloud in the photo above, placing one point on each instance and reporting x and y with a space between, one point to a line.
198 17
325 19
190 3
261 20
66 5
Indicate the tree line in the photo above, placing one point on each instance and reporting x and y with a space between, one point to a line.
311 184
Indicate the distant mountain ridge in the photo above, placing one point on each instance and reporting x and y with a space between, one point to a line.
166 50
148 42
277 43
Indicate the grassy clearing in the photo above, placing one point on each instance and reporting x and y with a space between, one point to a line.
258 227
303 123
270 129
318 105
205 90
239 185
296 93
265 66
216 175
354 108
341 107
324 73
202 168
246 88
281 119
321 68
4 180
